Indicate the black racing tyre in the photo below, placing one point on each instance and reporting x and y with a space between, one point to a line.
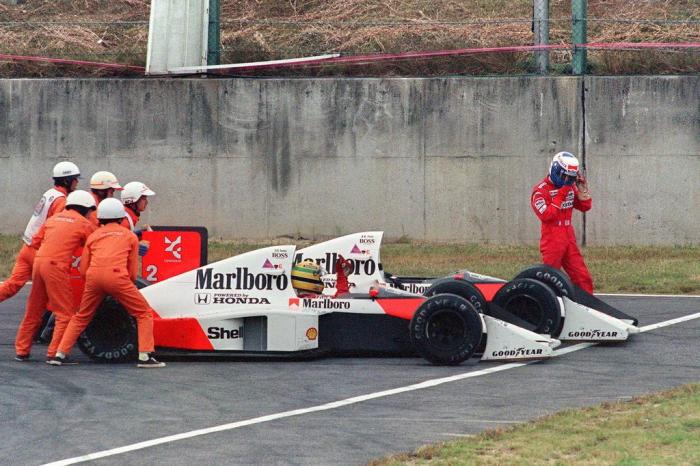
111 336
461 288
557 280
532 301
45 332
446 329
48 322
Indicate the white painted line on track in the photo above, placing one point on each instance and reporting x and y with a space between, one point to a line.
636 295
338 404
296 412
666 323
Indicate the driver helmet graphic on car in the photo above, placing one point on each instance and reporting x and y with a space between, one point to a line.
307 281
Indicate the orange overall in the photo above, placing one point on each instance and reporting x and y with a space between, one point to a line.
131 219
55 241
110 264
92 216
22 270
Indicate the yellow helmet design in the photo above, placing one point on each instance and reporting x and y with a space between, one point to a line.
306 277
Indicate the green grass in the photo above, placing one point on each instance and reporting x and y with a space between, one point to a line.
659 429
632 269
638 269
9 247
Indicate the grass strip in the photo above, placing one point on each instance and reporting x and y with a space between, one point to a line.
618 269
657 429
632 269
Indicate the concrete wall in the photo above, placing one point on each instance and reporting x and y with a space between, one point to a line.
435 159
643 154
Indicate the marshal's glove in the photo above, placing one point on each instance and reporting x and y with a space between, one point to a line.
144 246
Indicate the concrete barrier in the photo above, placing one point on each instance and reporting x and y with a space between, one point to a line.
643 154
435 159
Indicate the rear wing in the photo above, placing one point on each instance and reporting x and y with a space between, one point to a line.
361 249
251 281
173 250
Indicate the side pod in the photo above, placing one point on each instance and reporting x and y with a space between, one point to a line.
506 341
583 323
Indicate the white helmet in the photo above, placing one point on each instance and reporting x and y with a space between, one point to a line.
65 168
104 180
133 191
110 208
81 198
564 169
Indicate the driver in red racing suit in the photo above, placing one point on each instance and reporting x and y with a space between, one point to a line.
553 201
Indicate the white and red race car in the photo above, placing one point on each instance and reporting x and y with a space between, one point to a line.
540 298
246 306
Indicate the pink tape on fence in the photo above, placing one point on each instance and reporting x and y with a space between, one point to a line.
384 57
63 61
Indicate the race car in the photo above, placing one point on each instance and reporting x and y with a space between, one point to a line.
245 306
539 298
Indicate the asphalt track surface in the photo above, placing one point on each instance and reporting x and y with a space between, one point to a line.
50 413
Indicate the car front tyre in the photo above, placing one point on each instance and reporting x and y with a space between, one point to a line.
446 329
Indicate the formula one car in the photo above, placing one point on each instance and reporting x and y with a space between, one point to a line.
540 298
246 306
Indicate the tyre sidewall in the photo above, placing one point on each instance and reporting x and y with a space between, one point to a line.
555 279
465 312
551 320
126 347
460 288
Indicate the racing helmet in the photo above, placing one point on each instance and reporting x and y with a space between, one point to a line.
80 198
133 191
104 180
563 169
306 277
65 169
110 208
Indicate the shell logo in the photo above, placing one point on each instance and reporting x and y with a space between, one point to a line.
312 333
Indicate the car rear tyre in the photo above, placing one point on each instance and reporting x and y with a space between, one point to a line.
557 280
446 329
111 336
461 288
533 302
